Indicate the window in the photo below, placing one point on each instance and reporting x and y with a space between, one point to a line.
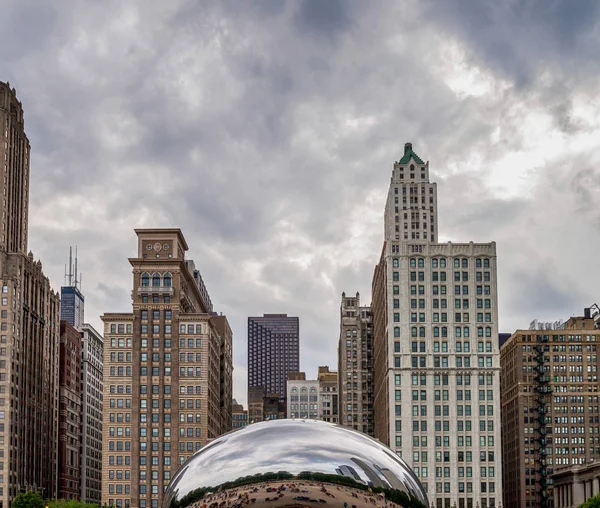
155 280
167 280
145 280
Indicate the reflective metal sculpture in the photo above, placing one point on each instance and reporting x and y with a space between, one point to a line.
294 463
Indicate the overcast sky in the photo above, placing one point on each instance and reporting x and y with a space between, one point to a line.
267 132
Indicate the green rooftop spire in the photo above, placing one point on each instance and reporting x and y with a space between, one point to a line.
408 153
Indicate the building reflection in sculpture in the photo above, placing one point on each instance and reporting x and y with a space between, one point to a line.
294 463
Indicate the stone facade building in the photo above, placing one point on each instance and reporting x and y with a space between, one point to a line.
355 365
550 408
574 485
69 436
316 399
436 358
92 387
29 329
163 374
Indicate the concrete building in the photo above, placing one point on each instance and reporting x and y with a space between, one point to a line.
29 329
436 358
355 365
550 409
574 485
163 377
92 387
273 351
239 415
69 444
316 399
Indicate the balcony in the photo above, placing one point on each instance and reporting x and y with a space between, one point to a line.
163 290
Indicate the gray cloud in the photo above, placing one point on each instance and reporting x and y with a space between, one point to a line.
267 132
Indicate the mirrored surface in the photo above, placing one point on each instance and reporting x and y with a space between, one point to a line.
294 463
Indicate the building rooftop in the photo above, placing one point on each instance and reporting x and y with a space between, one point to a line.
408 153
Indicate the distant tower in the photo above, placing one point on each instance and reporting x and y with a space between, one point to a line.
71 299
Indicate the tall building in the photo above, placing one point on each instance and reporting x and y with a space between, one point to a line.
316 399
92 387
29 329
71 299
550 409
163 374
355 365
436 357
273 351
69 451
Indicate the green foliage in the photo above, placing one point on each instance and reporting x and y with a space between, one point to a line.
592 502
68 503
28 500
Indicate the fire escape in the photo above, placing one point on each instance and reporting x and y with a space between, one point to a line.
544 390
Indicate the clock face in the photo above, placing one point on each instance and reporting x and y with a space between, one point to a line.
157 246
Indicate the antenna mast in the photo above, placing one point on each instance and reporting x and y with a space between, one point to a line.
75 266
70 277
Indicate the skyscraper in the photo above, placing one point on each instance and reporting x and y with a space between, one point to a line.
436 358
29 329
550 409
71 300
273 351
166 366
355 365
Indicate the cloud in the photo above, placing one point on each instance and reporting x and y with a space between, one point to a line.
267 131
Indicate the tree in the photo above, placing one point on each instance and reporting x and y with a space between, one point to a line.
592 502
28 500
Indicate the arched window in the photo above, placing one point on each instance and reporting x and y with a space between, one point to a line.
436 331
395 263
466 332
155 279
421 262
444 331
413 331
167 280
145 280
479 331
458 332
413 263
434 263
396 331
421 331
488 331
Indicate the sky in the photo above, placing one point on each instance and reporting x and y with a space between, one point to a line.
267 132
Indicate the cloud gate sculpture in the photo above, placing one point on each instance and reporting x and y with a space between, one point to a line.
294 463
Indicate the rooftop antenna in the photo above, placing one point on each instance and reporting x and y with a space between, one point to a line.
70 275
75 266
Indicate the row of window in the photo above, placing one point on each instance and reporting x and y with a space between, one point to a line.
156 279
441 262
